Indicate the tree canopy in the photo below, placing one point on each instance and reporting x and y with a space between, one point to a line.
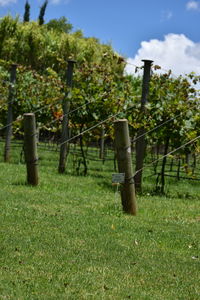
60 25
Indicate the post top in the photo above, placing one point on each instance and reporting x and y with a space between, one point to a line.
14 65
121 120
147 61
28 114
72 61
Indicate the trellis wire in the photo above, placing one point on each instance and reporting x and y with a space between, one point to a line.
157 127
92 127
70 112
114 115
159 68
36 111
53 121
169 153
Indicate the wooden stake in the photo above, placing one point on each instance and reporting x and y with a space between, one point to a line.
141 143
102 142
65 129
64 137
123 150
30 148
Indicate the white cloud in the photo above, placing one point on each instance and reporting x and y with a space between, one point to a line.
193 5
175 52
7 2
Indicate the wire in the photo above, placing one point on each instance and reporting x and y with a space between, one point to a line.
158 126
144 134
136 67
45 106
155 69
92 127
70 112
34 112
53 121
169 153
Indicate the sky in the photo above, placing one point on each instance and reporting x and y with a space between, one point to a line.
165 31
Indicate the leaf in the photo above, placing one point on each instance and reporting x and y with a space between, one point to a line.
112 227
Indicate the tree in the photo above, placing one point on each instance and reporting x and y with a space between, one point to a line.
8 30
42 12
27 12
61 25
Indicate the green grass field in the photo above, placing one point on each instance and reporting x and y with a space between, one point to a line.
69 239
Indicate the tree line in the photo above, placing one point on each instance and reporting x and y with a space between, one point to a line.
27 8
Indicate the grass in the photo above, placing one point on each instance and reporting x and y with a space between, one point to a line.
69 239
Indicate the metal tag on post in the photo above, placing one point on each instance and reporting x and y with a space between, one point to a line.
118 178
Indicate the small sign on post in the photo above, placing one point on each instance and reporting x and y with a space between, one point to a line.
118 178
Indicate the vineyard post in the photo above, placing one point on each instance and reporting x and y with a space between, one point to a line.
10 113
102 143
124 161
30 148
65 129
140 142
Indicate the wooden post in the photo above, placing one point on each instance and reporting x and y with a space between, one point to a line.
65 129
102 143
164 164
30 148
10 113
140 142
123 150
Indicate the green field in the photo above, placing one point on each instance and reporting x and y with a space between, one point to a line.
69 239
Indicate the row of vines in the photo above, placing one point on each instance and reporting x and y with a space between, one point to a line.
101 88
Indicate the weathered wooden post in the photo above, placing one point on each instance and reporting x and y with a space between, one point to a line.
30 148
65 129
102 143
123 151
140 142
10 113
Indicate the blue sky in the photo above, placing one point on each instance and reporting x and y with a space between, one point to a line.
166 31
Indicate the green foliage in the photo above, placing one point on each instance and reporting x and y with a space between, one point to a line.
8 34
42 53
177 97
60 25
41 47
175 102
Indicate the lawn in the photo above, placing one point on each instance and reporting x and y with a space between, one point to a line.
69 239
